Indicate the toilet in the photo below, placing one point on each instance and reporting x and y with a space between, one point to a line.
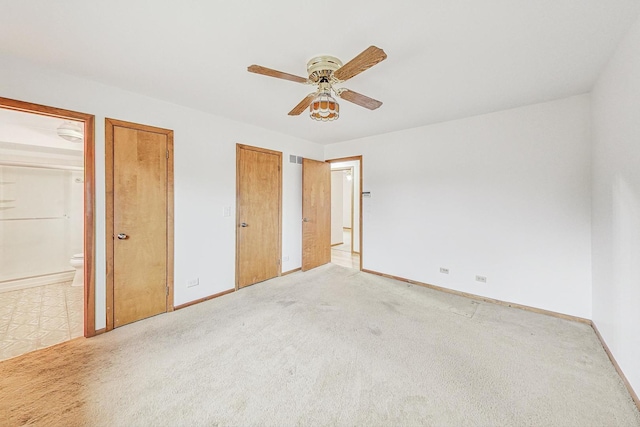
77 262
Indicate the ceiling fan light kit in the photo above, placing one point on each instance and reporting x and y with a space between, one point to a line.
324 108
324 72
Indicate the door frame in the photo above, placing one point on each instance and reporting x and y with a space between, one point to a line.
359 160
110 214
237 225
89 231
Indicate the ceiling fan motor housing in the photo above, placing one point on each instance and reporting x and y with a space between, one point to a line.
321 67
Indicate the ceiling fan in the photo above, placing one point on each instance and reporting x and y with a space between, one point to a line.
324 72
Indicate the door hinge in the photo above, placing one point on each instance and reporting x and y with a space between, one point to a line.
167 290
278 262
167 154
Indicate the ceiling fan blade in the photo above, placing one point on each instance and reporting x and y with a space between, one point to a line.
367 59
298 109
275 73
361 100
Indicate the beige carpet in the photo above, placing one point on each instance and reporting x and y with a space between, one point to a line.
331 346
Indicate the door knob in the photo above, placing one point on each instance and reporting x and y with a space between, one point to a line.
122 236
244 224
305 219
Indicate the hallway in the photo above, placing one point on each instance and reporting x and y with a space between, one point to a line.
342 255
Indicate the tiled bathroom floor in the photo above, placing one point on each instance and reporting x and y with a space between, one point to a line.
39 317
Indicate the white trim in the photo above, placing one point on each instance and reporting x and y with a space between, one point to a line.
40 165
31 282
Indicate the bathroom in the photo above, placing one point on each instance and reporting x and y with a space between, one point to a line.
41 231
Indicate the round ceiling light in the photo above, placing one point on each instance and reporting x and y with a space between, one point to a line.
71 132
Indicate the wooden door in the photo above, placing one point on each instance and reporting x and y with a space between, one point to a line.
316 214
258 214
141 222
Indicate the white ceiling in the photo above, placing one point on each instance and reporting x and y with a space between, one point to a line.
447 59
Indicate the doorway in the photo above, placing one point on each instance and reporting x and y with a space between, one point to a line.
258 214
342 217
346 207
139 186
47 187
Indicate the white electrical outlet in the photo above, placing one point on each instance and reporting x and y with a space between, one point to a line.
226 211
285 258
482 279
444 270
193 282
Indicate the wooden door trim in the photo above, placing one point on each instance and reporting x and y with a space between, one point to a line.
109 177
237 224
359 160
89 198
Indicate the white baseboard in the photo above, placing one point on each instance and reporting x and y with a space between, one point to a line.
31 282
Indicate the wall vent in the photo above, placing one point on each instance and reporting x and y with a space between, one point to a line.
292 158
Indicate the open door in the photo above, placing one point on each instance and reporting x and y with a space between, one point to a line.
316 213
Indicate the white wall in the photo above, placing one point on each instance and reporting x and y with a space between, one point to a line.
347 200
336 207
41 217
33 223
504 195
75 213
616 205
205 149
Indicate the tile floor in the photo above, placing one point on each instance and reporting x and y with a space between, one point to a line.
39 317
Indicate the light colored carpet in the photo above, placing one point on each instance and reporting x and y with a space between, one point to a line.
332 346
